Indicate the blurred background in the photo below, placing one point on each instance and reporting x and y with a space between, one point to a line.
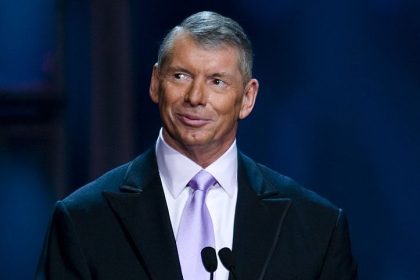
338 109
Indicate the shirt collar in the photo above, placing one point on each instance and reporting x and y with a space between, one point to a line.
176 170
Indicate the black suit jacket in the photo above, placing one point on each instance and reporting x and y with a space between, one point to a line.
118 227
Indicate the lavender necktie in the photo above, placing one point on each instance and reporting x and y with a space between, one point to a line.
196 228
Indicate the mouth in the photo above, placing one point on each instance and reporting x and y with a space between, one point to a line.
193 120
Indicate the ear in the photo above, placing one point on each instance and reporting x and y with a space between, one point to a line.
248 99
154 84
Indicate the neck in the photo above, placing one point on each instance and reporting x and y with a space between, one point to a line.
203 155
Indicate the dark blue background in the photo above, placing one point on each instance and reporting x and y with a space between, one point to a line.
338 110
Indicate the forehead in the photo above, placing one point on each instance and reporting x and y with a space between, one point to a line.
185 48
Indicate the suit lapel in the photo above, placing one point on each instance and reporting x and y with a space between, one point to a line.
142 211
258 220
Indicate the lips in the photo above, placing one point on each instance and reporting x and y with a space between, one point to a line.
193 120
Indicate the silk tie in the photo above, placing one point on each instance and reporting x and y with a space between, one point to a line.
196 228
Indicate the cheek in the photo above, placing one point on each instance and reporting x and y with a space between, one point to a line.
167 108
230 108
165 100
171 95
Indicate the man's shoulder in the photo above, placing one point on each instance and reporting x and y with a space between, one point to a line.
129 173
287 187
91 193
290 188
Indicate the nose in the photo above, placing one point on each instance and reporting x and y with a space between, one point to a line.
195 94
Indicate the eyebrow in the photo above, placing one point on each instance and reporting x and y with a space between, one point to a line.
221 74
224 76
177 69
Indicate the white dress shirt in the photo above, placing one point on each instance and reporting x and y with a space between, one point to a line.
176 170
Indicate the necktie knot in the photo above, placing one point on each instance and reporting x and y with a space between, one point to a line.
202 181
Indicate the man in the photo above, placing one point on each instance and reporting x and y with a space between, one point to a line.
150 218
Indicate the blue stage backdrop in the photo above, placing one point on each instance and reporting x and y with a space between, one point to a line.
338 110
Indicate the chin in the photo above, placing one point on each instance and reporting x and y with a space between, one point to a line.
194 141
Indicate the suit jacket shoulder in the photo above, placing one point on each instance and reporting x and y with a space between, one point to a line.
131 176
283 186
312 233
104 229
110 181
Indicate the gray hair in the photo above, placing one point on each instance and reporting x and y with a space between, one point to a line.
211 29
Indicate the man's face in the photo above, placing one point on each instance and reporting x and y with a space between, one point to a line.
201 95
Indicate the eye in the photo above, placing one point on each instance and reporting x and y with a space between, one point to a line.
180 76
218 82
